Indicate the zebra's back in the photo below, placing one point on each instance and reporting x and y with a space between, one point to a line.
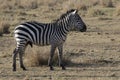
35 32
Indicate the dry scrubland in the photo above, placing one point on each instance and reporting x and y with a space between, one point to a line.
93 55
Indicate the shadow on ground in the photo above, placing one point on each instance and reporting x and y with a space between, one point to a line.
94 63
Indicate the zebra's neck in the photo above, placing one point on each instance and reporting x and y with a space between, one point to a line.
64 25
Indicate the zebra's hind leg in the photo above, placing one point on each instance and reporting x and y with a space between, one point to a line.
21 61
50 61
14 59
15 52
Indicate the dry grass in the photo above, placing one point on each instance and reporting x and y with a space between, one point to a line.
81 6
68 4
6 4
117 11
36 57
25 4
75 4
100 44
90 8
85 4
13 4
4 28
39 56
94 12
104 18
32 4
106 3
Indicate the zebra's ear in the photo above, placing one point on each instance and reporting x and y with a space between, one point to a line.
74 12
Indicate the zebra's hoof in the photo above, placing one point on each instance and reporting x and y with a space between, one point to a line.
63 68
51 68
24 69
14 70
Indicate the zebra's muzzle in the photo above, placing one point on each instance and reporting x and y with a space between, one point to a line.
84 29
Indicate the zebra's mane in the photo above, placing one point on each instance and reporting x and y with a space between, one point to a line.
65 14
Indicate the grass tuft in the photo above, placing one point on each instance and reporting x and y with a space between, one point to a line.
39 57
13 4
32 4
117 11
4 28
81 7
94 12
106 3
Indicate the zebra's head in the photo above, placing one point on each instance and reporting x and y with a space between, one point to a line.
75 21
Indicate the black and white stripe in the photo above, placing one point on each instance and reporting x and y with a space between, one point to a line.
53 34
34 32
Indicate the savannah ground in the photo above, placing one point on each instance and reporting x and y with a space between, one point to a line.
92 55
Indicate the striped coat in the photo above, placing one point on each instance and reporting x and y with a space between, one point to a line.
41 34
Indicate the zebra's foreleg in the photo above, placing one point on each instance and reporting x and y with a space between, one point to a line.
14 59
21 60
60 54
50 61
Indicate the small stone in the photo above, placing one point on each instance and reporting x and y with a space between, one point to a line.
99 33
112 39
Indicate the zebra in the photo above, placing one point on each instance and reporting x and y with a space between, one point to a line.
41 34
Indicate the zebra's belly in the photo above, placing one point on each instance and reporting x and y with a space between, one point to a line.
42 44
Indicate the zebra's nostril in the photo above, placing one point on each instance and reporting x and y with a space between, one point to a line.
84 29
